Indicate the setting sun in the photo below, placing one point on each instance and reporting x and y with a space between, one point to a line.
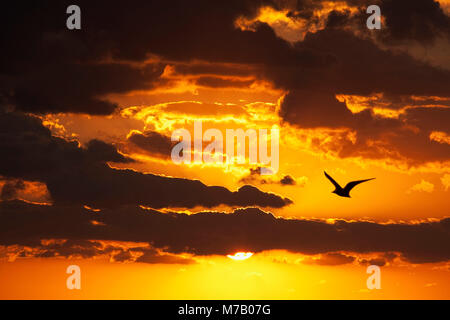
240 255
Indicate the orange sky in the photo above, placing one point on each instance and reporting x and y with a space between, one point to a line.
406 189
261 277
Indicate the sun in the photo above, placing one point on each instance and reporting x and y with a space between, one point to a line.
240 255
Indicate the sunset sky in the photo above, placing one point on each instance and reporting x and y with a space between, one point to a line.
87 178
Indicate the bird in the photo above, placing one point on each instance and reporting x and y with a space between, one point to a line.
344 192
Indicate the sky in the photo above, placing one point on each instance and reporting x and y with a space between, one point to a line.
87 175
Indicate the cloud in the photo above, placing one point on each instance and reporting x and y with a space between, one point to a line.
40 64
216 82
11 188
423 186
414 21
24 190
152 142
380 260
183 108
85 249
419 20
255 177
203 68
311 99
330 259
152 256
75 87
100 151
220 233
77 175
340 258
287 180
406 138
445 179
48 69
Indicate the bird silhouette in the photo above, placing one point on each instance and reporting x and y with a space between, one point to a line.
344 192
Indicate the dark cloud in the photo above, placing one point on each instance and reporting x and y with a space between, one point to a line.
358 66
330 259
71 248
428 119
51 69
376 261
418 20
406 138
380 260
152 142
41 61
340 19
361 68
216 82
152 256
287 180
209 233
86 249
101 186
197 68
100 151
255 177
403 21
310 109
80 175
10 189
75 87
48 68
122 256
338 258
212 109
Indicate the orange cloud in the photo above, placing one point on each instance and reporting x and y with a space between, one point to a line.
440 137
446 181
291 24
423 186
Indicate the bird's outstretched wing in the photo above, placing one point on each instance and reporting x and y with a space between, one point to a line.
352 184
332 181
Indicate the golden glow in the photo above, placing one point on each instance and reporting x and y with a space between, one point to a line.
440 137
374 102
91 209
295 28
269 275
32 192
240 255
248 101
445 4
